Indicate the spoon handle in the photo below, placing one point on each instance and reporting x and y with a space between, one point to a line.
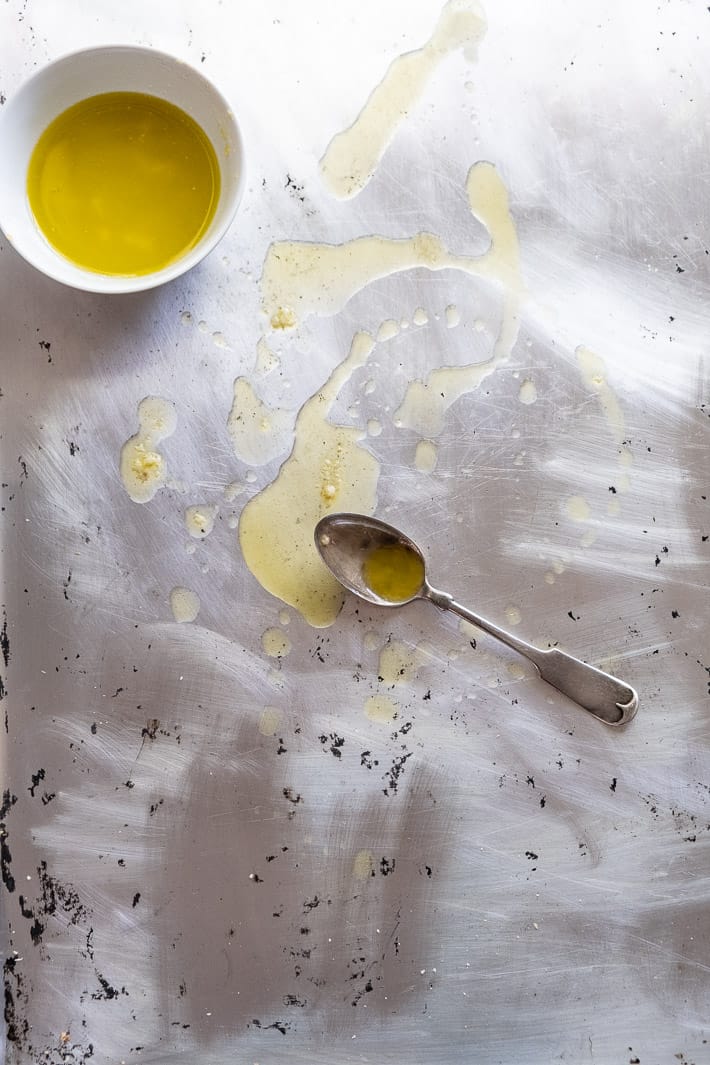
604 696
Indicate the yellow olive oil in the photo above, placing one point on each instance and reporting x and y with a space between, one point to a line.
394 572
123 183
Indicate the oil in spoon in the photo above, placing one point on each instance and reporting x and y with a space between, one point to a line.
393 572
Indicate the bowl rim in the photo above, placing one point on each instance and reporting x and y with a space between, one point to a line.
77 277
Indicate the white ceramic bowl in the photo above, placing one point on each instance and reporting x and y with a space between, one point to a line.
74 77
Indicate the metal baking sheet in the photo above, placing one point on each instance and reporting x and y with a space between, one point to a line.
246 838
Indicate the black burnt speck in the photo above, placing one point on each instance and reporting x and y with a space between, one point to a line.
394 773
334 743
36 778
8 801
6 860
5 641
107 991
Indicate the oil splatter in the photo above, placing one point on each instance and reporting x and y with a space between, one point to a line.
352 156
578 508
258 433
527 393
276 643
327 470
143 468
381 708
184 604
200 519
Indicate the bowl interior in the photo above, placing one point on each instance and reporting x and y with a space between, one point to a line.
112 69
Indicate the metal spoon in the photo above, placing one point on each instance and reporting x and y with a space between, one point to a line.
346 541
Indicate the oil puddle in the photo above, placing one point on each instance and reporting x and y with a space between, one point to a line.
352 156
327 470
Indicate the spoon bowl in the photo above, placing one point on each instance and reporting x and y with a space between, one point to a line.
385 567
347 542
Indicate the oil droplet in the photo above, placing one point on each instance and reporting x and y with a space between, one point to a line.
387 330
266 359
352 156
202 326
258 433
513 615
588 538
528 392
200 519
232 490
270 721
284 617
371 641
578 508
516 670
398 663
143 468
470 631
232 521
426 456
184 604
380 708
186 318
220 341
453 316
420 316
326 470
550 577
276 643
374 428
363 865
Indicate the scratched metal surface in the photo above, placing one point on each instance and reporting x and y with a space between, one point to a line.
178 886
